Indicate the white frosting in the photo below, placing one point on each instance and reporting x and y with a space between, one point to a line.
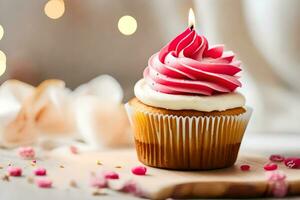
219 102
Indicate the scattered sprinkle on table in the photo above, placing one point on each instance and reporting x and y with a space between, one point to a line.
118 166
139 170
73 184
245 167
98 182
5 178
292 162
40 171
61 166
98 193
30 180
44 183
270 166
14 171
276 158
73 149
110 175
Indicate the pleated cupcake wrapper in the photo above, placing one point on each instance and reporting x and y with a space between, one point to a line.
183 142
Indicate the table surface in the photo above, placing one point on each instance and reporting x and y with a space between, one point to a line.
17 188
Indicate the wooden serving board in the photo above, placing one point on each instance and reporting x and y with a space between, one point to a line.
222 183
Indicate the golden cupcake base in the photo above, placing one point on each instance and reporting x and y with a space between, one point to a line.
187 140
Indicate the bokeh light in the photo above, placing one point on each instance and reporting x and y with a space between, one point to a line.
1 32
55 9
127 25
2 67
2 57
2 63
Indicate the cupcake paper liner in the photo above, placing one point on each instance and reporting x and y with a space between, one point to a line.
187 143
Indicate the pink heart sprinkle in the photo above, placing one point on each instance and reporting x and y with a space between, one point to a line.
292 162
110 175
26 152
270 166
276 158
245 167
40 171
44 183
14 171
139 170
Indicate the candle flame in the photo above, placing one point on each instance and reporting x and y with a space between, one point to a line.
191 19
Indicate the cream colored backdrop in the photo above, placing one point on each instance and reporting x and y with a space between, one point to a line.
85 42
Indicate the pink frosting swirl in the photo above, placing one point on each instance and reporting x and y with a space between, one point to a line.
187 65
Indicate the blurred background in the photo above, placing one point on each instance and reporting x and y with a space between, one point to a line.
76 40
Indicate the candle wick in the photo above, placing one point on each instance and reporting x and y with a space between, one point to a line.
192 27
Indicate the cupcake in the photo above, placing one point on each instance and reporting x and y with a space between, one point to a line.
187 114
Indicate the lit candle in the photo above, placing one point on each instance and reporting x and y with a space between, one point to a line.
191 19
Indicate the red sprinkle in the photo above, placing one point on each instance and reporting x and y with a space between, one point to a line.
110 175
270 166
44 183
292 162
276 158
26 152
245 167
14 171
139 170
98 182
40 171
74 149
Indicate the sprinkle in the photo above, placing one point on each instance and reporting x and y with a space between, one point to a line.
26 152
118 167
9 164
73 184
44 183
14 171
276 158
40 171
139 170
277 183
98 193
1 167
275 176
245 167
30 180
74 149
5 178
132 188
292 162
98 162
110 175
270 166
98 182
61 166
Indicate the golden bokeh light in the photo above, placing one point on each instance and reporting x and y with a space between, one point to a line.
1 32
54 9
2 57
127 25
2 63
2 67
